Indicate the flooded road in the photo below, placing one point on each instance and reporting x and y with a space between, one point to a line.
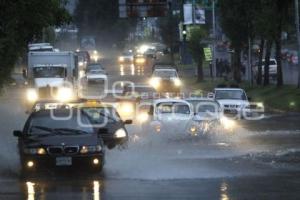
261 161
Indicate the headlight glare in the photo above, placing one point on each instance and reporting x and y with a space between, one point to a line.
64 94
228 124
121 133
177 82
35 151
155 82
90 149
32 95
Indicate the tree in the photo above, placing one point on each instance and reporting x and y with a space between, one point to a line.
196 47
22 22
168 27
282 14
271 19
237 22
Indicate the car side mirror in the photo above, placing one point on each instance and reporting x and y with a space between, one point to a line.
129 121
18 133
102 131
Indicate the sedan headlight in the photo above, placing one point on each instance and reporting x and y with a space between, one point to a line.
193 130
177 82
143 117
126 109
90 149
155 82
32 95
35 151
140 60
80 64
121 59
227 124
121 133
64 94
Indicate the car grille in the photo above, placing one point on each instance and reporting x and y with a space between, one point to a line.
231 106
166 82
59 150
55 150
71 150
47 92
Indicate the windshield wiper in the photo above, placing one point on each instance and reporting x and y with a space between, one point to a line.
109 117
49 131
71 131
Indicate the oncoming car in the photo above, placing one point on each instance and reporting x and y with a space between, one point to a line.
140 59
95 73
56 138
208 118
126 58
233 101
165 80
168 117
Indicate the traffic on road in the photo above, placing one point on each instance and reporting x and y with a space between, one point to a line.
127 109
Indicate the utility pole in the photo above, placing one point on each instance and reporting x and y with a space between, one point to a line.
250 76
214 38
298 36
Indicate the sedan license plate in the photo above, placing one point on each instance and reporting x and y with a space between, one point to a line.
63 161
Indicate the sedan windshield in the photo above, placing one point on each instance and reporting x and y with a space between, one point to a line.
204 106
49 72
230 94
94 67
44 123
165 73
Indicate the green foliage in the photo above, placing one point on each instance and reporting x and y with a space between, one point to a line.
196 45
21 22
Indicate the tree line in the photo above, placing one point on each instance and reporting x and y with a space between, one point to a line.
262 20
22 22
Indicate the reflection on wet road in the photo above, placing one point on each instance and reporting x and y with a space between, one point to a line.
132 70
253 164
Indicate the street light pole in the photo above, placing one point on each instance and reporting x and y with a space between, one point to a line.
214 38
298 36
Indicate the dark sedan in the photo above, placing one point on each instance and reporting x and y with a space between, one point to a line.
59 138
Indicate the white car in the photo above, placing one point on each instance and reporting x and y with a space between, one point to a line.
272 67
209 118
95 73
165 80
234 101
168 117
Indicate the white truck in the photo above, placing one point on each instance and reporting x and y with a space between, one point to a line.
51 76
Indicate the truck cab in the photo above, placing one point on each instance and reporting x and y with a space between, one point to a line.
51 75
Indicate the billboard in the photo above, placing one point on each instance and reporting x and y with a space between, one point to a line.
193 14
143 8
